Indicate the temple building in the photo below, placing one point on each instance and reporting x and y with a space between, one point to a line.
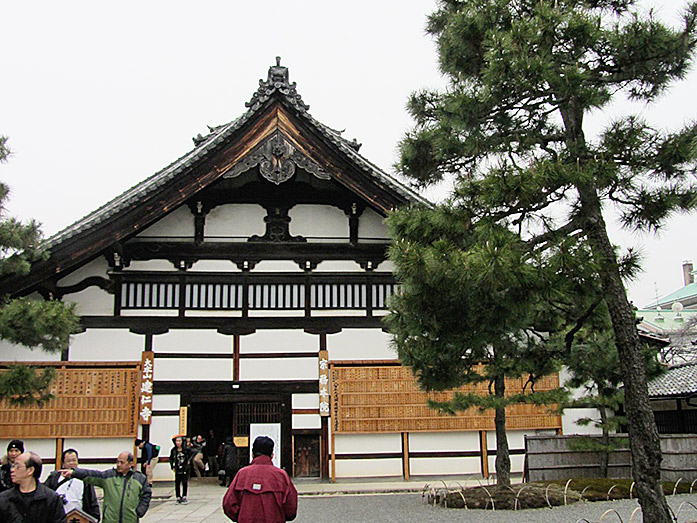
241 289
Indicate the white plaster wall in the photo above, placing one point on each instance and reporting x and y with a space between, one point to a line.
318 221
445 441
106 345
177 224
275 369
305 401
279 341
306 421
386 266
444 466
192 369
92 301
235 221
162 429
12 352
338 266
366 468
360 344
97 267
277 266
215 266
104 448
192 340
516 440
368 443
570 416
150 265
371 225
165 402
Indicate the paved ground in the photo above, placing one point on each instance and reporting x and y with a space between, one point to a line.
353 501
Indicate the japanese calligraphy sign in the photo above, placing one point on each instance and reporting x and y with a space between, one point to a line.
183 417
323 383
146 382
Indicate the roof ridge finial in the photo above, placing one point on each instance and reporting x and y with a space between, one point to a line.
278 74
278 80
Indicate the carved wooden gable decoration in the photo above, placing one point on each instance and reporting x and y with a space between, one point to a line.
294 158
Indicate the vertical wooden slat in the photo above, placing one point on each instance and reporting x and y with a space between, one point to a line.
405 455
484 454
333 458
324 448
236 357
59 453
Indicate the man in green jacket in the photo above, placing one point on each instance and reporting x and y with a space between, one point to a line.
126 491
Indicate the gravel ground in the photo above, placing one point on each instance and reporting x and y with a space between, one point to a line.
409 507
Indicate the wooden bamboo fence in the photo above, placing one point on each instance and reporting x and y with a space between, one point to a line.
91 400
388 399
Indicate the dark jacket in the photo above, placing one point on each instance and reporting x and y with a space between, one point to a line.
89 497
149 451
261 493
228 459
45 507
5 478
126 498
179 461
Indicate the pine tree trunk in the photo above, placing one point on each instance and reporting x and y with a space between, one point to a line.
605 440
503 457
643 435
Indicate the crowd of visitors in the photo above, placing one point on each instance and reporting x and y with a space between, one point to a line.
257 492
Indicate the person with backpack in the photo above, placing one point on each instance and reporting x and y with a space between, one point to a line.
148 457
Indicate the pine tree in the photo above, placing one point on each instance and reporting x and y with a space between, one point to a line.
467 313
28 322
524 75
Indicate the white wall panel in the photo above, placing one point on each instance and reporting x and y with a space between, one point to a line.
192 369
365 443
274 369
162 429
356 344
150 265
365 468
92 301
177 224
107 345
444 466
372 225
305 401
11 352
106 448
235 220
338 266
569 425
279 341
165 402
193 340
445 441
318 221
306 421
276 266
215 266
97 267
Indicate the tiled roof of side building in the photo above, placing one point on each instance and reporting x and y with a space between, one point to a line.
686 295
277 82
677 381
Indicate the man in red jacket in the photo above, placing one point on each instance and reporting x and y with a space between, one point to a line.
260 491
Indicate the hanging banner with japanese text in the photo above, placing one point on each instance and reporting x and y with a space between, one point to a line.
323 383
146 381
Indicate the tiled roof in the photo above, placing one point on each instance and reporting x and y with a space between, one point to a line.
277 82
666 321
677 381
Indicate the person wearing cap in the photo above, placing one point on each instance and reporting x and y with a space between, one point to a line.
261 491
29 501
14 449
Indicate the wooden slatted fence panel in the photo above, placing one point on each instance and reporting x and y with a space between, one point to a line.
388 399
90 401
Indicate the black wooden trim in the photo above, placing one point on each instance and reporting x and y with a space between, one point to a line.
446 454
92 281
154 323
424 454
158 413
376 455
512 452
307 432
263 355
194 355
234 387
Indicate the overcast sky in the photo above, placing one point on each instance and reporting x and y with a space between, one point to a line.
96 96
